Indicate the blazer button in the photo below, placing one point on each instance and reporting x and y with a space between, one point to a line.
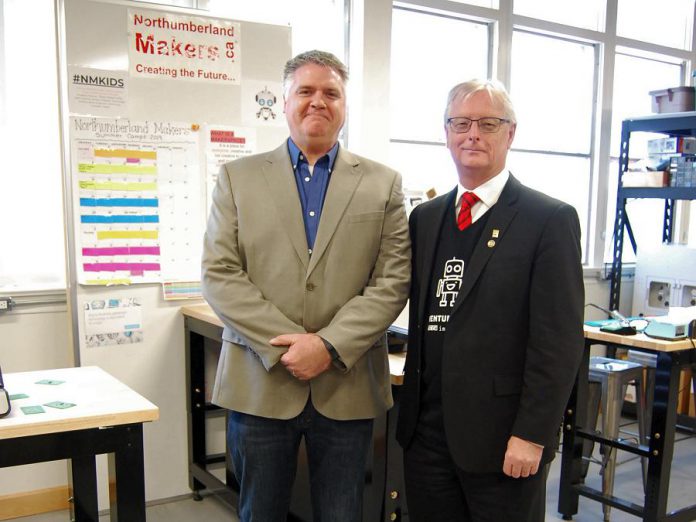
310 287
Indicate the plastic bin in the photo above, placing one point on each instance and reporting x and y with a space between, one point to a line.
674 99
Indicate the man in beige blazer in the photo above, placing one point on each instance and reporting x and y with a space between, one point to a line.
306 262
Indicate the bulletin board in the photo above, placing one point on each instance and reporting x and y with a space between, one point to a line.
153 101
156 100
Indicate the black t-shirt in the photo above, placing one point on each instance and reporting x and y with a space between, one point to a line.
454 250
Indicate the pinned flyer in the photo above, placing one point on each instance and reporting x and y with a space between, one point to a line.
113 321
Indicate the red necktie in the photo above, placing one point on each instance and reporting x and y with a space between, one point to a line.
464 217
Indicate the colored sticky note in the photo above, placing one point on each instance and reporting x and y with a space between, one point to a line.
52 382
28 410
18 396
59 404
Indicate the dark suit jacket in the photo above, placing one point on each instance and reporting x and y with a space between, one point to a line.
514 338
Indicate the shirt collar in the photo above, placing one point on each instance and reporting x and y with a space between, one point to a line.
295 153
490 191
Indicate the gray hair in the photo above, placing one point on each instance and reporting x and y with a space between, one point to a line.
494 88
322 58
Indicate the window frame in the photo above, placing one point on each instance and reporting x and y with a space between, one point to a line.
591 154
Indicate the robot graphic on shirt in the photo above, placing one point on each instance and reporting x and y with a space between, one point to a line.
266 99
448 286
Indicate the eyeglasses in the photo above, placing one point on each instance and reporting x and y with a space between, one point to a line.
488 125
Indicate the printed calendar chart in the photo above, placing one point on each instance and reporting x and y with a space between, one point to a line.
137 201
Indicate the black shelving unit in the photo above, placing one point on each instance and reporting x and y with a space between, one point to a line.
674 124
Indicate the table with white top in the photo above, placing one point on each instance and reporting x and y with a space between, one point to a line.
383 497
107 417
672 356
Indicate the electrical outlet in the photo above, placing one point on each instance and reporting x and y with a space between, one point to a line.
6 303
688 295
658 294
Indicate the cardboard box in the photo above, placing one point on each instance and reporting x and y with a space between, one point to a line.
674 99
685 398
645 178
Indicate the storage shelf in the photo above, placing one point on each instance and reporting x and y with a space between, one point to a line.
672 124
682 193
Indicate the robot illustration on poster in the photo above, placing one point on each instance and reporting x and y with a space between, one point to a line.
266 100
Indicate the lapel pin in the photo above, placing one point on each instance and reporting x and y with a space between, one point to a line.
491 243
495 233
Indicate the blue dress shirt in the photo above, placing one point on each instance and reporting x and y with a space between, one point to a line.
311 187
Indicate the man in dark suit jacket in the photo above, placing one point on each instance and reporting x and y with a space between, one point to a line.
495 328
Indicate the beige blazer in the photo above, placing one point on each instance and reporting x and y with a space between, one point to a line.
261 281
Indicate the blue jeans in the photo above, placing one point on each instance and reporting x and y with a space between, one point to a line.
264 454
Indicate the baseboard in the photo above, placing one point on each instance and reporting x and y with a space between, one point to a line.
57 499
34 502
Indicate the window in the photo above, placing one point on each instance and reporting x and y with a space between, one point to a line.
588 13
427 61
573 78
554 106
668 22
32 256
302 15
482 3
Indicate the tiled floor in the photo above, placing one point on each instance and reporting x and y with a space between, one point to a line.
628 485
